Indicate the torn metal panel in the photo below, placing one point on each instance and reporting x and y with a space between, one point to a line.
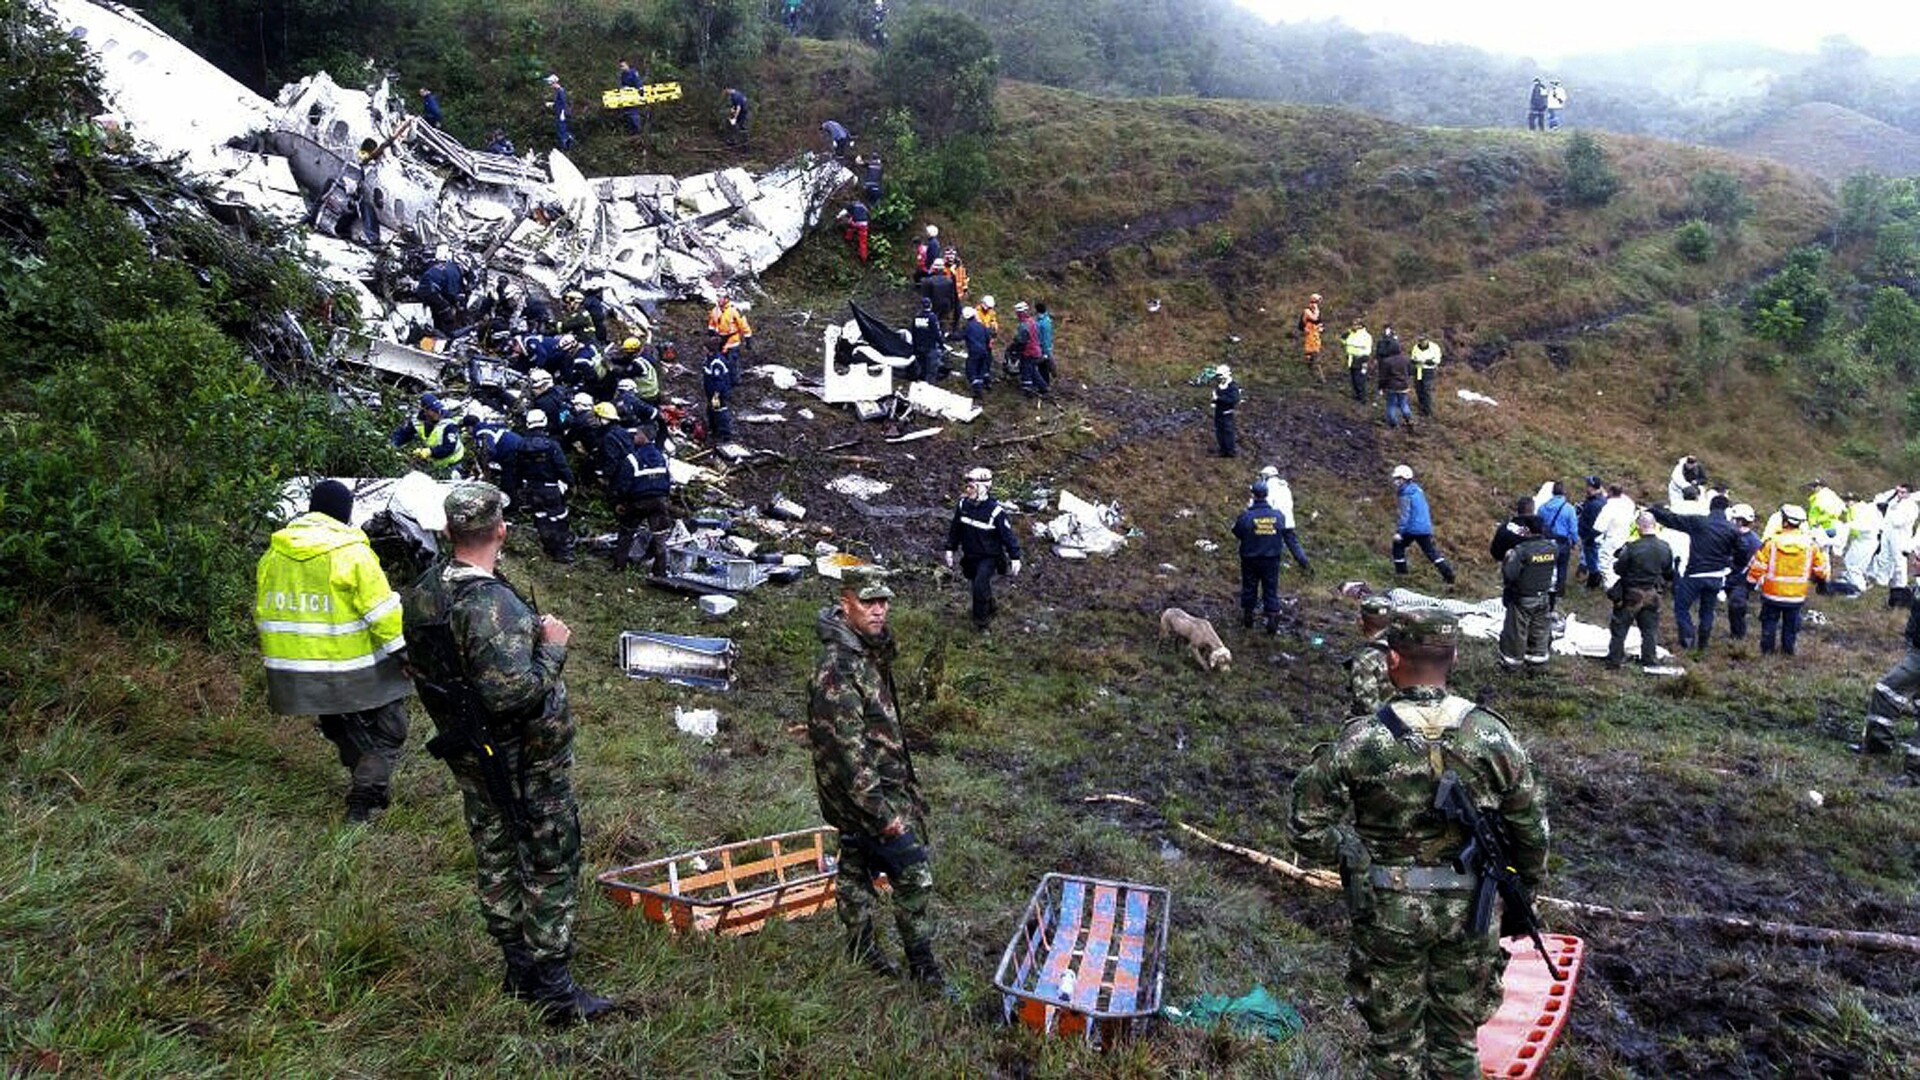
849 377
149 78
393 358
704 662
713 570
945 404
1083 528
544 225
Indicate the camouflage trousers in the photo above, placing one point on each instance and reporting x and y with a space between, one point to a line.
529 886
1892 700
1423 984
369 743
855 897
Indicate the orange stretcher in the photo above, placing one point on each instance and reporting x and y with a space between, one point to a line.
1087 958
1533 1012
733 888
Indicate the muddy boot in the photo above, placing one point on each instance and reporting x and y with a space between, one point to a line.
862 949
518 978
563 1000
361 804
1446 570
1246 619
925 972
1899 597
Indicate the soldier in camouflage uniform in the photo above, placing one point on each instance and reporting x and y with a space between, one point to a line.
1423 981
1367 685
488 671
865 779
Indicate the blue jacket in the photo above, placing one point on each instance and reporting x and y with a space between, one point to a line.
1415 518
1561 519
1715 544
717 377
641 473
982 529
979 339
1589 513
430 109
1259 531
630 78
858 213
1044 321
445 279
560 110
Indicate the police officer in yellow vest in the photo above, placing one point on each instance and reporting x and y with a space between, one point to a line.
1358 344
330 633
432 439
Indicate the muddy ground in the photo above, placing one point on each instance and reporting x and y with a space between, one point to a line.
1655 1000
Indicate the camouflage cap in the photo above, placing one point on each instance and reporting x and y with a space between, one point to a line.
865 582
473 506
1376 606
1425 629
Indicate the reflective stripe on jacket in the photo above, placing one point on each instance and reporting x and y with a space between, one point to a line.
1784 564
329 623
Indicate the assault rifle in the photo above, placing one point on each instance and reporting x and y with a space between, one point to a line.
469 732
1486 854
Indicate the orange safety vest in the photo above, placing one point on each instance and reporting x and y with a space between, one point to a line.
1785 564
729 323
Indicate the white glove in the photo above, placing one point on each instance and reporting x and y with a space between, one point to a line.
1014 568
949 560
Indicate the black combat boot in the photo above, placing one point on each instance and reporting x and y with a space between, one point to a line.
925 971
564 1001
519 978
864 950
1246 619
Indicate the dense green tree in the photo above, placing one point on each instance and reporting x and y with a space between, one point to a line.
941 67
1717 196
1891 334
1792 306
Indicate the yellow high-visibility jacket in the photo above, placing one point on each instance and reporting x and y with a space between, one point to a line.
1359 345
329 623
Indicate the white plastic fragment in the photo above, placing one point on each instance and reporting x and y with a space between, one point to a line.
703 724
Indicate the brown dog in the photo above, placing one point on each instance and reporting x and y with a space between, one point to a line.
1201 638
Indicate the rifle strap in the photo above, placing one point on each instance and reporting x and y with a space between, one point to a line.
1454 710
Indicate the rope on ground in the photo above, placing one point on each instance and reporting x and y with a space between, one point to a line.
1867 940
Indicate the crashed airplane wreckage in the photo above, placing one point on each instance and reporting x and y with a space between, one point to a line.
544 227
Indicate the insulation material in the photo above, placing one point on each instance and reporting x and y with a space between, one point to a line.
942 403
1082 528
856 486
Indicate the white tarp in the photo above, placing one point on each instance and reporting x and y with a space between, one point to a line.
1484 618
942 403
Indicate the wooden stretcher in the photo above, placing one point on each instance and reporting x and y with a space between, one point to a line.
1533 1012
733 888
1087 958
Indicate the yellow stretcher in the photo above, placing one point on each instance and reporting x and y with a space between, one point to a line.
626 97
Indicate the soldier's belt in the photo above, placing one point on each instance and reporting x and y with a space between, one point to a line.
1422 879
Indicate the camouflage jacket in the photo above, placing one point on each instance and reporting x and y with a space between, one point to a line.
1367 685
860 764
1369 794
496 634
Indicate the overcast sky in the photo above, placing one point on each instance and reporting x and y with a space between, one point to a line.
1545 29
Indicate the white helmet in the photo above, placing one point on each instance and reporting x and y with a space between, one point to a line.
627 385
539 378
1403 472
980 476
443 253
536 419
933 230
987 300
968 312
1223 372
583 401
1741 512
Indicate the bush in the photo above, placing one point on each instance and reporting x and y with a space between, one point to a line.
1591 180
1791 307
1891 334
1694 241
1717 196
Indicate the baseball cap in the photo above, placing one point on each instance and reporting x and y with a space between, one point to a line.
474 505
1258 487
865 582
431 402
1428 629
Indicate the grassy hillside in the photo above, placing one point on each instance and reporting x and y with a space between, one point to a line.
181 897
